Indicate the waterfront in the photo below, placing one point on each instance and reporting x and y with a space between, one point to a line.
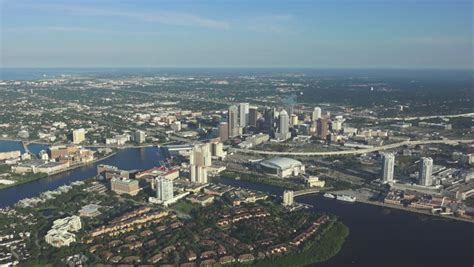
378 236
388 237
127 159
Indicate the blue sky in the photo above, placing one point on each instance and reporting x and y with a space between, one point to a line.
228 33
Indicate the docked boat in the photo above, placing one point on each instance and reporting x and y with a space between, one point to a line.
329 195
346 198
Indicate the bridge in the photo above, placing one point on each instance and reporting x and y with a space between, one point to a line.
306 192
353 151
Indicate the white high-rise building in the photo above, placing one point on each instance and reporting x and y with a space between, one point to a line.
388 167
199 161
78 136
284 126
316 114
164 189
426 169
233 121
243 114
288 198
139 137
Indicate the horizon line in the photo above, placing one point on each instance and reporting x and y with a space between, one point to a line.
247 67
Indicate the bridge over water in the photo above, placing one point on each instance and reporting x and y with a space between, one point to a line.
306 192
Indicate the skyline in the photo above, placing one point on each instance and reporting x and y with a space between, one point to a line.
231 34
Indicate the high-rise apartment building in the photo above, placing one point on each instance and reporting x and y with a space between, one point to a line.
164 188
199 161
78 136
426 170
288 198
388 167
139 137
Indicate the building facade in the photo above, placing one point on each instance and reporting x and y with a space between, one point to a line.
78 136
243 114
388 167
426 170
164 189
233 121
288 198
284 126
200 159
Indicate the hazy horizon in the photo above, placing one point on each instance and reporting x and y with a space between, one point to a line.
416 34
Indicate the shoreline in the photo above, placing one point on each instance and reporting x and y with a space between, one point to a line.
62 171
424 212
380 204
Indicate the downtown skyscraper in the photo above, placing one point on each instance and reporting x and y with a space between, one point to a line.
233 121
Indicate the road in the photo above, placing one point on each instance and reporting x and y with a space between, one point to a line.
352 152
429 117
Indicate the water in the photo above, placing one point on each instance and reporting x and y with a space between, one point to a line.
126 159
387 237
378 236
10 146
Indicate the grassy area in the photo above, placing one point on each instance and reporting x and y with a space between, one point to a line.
4 168
325 246
20 179
184 206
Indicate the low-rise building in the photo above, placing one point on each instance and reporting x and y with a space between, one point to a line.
60 233
121 185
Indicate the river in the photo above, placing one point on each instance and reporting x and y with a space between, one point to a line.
378 236
126 159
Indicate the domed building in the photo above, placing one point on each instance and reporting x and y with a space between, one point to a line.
282 167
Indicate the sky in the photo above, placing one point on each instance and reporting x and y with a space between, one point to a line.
231 33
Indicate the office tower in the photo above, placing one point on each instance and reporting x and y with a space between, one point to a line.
284 127
294 120
217 149
322 128
291 109
253 116
199 161
288 196
233 121
243 114
164 188
139 137
388 167
337 124
78 136
426 169
304 129
269 117
316 114
223 131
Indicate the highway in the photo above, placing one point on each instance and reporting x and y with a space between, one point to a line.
429 117
355 151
